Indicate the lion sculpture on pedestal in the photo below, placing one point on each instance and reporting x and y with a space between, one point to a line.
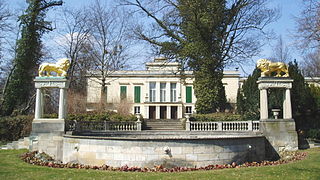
267 68
60 68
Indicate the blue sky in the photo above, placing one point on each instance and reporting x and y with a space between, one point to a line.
285 26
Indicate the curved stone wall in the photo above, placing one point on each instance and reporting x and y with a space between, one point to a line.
167 152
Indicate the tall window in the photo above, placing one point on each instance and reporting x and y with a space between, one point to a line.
162 92
123 92
137 110
137 92
189 94
173 92
152 91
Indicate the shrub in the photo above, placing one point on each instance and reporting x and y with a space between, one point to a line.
313 133
215 117
14 127
107 116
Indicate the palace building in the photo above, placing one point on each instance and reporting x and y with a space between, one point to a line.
159 92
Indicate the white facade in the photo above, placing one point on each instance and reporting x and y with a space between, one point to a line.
159 92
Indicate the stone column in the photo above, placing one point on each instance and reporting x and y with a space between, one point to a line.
146 112
287 111
179 94
168 112
157 112
157 91
37 114
180 111
168 93
263 104
42 103
65 103
62 101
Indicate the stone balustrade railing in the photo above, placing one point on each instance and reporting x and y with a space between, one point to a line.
224 126
103 126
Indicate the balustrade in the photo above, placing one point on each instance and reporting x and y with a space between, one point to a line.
225 126
101 126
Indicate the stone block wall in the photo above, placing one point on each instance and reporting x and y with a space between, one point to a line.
149 153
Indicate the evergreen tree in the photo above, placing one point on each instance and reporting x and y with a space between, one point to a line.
33 25
203 30
301 98
248 97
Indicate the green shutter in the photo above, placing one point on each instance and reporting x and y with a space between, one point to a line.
123 92
188 94
137 90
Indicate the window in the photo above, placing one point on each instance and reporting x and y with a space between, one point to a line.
173 92
137 110
137 92
162 92
189 94
123 92
152 91
188 109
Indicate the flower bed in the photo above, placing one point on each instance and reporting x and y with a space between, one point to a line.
43 159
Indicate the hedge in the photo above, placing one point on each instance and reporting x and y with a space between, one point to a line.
13 128
107 116
216 117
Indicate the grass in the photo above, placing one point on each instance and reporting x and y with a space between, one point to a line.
11 167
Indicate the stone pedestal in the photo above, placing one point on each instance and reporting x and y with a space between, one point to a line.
280 134
47 134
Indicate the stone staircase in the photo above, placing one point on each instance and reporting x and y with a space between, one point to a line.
22 143
163 125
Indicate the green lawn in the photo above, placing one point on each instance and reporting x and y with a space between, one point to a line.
11 167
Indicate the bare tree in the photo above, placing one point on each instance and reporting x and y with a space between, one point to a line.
308 34
308 31
311 65
107 41
73 41
5 26
243 28
281 51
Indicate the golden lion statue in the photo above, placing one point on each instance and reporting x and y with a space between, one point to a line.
267 68
60 68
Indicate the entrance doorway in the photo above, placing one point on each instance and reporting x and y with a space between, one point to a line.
174 112
152 112
163 112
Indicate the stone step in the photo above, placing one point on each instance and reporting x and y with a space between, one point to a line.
167 125
22 143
